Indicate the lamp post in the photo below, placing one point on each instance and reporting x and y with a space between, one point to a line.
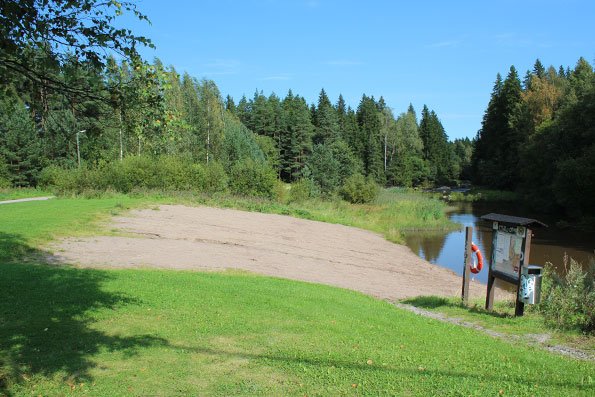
78 147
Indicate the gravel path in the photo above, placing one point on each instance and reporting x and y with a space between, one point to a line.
26 199
540 340
203 238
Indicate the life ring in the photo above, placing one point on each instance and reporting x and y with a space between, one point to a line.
476 267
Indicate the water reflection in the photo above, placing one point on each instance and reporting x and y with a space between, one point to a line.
548 244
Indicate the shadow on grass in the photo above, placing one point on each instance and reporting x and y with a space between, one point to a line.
45 328
322 364
435 302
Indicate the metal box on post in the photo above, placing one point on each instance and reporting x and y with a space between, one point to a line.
530 285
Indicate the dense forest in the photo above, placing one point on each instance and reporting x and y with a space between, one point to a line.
538 138
75 95
140 109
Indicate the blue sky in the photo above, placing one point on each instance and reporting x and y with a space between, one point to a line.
441 53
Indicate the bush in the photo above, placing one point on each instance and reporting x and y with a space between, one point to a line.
251 178
359 190
569 302
302 190
137 173
282 192
56 178
215 179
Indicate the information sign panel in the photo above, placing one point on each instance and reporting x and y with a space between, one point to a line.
508 250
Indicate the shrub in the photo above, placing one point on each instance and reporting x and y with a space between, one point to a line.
251 178
282 192
324 168
59 179
175 173
569 302
359 190
302 190
215 178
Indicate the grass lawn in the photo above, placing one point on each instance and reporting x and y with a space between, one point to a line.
502 319
69 331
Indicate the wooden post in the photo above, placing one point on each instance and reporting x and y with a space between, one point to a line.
519 307
466 263
491 278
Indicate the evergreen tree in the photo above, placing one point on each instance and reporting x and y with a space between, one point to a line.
244 111
436 150
296 137
20 147
538 69
369 140
230 105
326 121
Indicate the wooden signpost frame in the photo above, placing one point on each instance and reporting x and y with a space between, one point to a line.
519 307
515 227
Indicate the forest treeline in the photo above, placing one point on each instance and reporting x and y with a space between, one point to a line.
70 113
538 138
138 109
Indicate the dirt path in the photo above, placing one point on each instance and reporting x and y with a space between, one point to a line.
202 238
26 199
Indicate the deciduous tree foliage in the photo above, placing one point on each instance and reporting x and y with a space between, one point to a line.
73 87
85 28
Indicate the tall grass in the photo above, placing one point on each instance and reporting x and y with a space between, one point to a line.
483 195
393 214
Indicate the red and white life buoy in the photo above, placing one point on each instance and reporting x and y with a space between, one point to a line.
476 267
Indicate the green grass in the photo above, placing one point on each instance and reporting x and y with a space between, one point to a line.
142 332
69 331
484 195
36 222
18 193
502 319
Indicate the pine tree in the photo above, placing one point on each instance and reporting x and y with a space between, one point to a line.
296 137
436 150
496 155
230 105
538 69
369 140
20 146
326 121
244 111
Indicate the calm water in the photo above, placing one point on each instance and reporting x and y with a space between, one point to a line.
547 245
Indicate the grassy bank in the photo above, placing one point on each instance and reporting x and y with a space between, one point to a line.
74 331
145 332
475 195
394 212
30 224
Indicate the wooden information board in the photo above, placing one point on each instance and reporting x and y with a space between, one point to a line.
508 250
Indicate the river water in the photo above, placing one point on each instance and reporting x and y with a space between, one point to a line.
548 244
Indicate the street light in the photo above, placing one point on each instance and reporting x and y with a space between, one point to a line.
78 148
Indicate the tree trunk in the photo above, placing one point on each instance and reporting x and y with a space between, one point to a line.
208 133
385 139
121 141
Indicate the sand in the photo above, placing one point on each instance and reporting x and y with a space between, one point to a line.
213 239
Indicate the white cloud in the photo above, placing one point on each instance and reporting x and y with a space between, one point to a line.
278 77
217 67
